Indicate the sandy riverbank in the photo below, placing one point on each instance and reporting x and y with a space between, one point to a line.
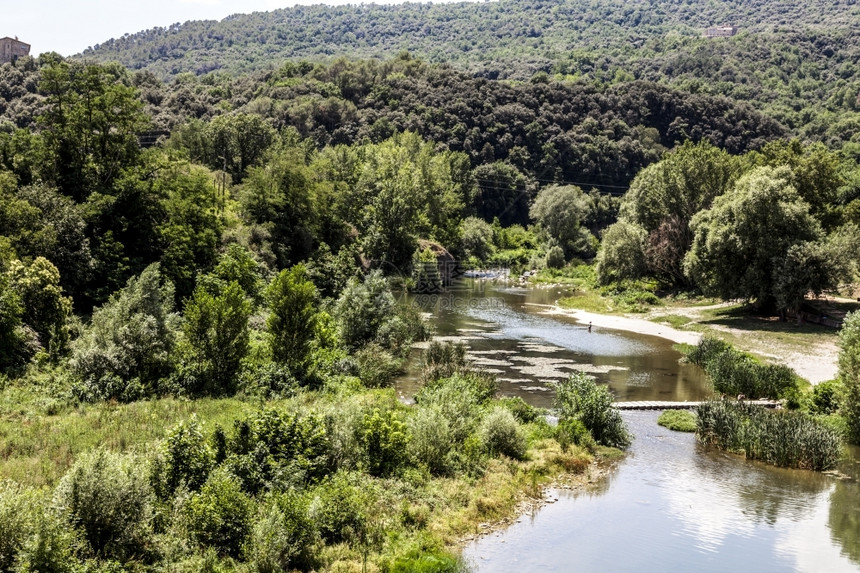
817 363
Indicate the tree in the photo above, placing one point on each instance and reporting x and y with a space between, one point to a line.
238 141
503 192
581 398
559 211
13 351
740 240
665 196
46 310
849 373
127 348
622 253
216 328
362 309
291 297
476 238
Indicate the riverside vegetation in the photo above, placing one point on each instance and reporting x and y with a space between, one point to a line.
198 277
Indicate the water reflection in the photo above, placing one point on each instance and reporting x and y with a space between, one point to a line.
673 505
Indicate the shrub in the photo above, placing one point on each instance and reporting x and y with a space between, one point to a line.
109 498
825 397
291 324
555 257
338 508
580 398
432 438
283 534
572 431
678 420
376 367
362 308
51 546
733 372
501 434
443 360
522 410
220 515
385 439
188 457
15 522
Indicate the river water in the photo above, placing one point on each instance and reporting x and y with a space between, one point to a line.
670 504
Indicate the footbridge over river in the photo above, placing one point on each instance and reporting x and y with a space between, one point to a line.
682 405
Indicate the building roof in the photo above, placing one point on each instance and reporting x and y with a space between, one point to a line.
15 40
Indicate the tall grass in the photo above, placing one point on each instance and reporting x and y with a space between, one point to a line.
785 439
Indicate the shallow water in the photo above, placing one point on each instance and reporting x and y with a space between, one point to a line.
670 504
507 334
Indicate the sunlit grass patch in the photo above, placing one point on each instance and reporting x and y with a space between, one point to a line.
678 420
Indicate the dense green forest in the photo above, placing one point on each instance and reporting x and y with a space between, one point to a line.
221 223
796 61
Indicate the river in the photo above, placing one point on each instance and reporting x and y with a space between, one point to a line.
670 504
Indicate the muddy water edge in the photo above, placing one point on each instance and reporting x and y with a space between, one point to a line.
670 504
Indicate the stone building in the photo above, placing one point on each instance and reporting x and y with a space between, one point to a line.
11 49
721 32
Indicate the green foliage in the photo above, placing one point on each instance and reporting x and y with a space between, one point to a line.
443 360
622 253
220 515
733 372
573 431
188 458
283 535
555 257
15 522
339 508
109 499
826 397
385 439
580 398
849 373
216 328
376 367
501 434
291 323
559 211
678 420
13 348
522 410
738 241
126 350
429 562
786 439
476 238
50 547
362 309
46 310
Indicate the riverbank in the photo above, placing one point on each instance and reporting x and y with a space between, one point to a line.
811 351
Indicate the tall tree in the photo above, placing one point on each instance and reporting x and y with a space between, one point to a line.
291 297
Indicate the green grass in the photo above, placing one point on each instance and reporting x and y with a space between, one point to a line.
37 449
673 320
586 300
678 420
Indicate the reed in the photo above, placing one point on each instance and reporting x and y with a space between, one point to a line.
785 439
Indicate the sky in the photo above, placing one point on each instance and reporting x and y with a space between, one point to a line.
70 26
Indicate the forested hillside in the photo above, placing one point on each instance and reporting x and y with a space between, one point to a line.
789 57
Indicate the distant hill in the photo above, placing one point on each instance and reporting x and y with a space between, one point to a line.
788 58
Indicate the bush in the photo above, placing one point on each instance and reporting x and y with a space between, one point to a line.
188 457
51 546
786 439
825 397
501 434
733 372
385 439
522 410
580 398
109 499
678 420
15 522
220 515
555 257
376 367
443 360
572 431
338 508
283 535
